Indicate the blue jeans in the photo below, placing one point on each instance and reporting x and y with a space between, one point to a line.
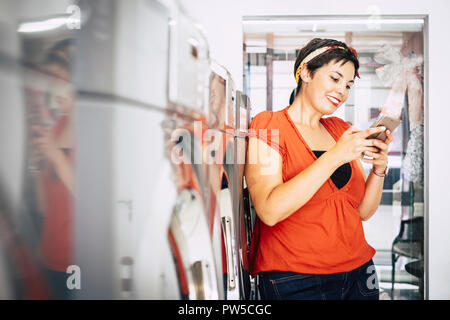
358 284
57 282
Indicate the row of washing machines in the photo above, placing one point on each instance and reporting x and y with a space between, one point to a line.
160 206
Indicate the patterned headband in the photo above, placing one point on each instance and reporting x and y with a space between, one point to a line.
317 52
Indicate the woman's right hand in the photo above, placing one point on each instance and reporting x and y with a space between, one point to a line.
353 143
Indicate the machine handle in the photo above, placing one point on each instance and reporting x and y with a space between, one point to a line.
227 231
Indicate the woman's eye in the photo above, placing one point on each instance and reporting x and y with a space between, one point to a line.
337 80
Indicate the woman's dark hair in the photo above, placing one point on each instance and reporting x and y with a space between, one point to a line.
59 54
322 59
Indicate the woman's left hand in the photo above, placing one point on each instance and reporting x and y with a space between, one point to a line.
380 158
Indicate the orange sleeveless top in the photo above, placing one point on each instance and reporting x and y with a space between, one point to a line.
56 242
326 234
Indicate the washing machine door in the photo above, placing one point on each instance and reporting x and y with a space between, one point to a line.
231 105
145 194
221 115
192 225
192 250
188 64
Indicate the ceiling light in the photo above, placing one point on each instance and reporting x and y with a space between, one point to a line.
331 21
46 25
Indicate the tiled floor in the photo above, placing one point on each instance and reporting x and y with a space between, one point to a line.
401 292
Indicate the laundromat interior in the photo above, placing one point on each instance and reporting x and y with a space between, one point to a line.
149 103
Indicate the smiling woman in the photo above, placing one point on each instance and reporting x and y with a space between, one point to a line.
308 241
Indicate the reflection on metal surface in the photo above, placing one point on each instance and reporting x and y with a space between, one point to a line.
90 109
229 239
203 283
244 224
48 97
217 96
391 50
190 231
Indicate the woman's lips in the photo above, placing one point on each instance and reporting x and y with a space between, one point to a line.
333 100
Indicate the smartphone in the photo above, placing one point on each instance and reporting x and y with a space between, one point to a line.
383 120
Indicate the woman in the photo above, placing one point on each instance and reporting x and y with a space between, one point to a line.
53 151
309 189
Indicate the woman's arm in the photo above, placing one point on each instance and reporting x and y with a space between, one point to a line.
275 200
63 169
374 183
372 196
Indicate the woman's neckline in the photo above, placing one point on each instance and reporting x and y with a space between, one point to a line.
321 120
333 186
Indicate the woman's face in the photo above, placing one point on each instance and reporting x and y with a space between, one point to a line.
328 89
60 88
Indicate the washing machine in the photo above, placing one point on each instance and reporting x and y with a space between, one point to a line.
126 191
21 270
189 231
221 159
244 218
195 233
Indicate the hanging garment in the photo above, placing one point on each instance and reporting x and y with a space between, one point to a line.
412 164
401 75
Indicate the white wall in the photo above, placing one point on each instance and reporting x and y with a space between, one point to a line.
221 22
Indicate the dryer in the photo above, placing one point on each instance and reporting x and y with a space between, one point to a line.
221 157
191 233
144 228
125 188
